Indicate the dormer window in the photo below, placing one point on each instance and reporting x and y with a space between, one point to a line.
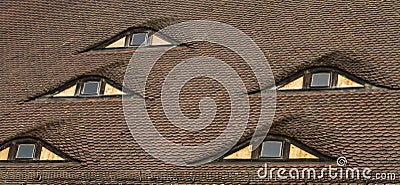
88 87
135 38
274 148
320 78
30 150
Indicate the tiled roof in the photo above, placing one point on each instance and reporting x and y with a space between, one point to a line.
41 46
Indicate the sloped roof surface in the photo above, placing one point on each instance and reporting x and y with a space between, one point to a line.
41 46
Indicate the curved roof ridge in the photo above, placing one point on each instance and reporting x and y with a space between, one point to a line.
36 127
100 71
160 23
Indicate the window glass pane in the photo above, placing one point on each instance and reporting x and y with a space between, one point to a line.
138 39
320 80
271 149
25 151
91 88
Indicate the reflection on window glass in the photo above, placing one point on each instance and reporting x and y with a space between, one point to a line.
138 39
271 149
25 151
91 88
320 80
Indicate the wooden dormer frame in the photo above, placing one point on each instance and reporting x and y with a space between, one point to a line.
79 85
128 34
39 144
307 76
287 141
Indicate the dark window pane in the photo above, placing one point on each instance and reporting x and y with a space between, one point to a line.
138 39
91 88
320 80
25 151
271 149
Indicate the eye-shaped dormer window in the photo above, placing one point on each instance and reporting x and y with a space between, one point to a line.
275 148
30 150
88 87
320 78
135 38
